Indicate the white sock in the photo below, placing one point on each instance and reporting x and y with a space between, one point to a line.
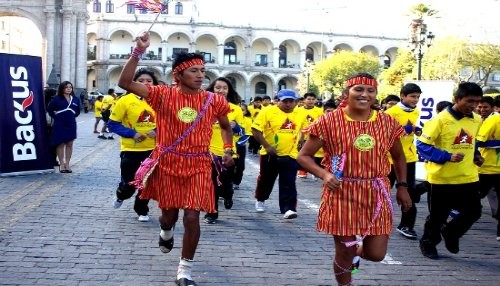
184 269
166 234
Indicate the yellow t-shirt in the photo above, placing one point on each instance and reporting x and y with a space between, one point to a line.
107 102
407 141
254 111
216 143
490 130
136 114
447 133
279 129
247 124
97 108
307 117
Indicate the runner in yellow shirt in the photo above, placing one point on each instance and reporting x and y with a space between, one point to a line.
241 148
254 108
488 141
106 108
222 175
448 143
276 129
309 112
97 112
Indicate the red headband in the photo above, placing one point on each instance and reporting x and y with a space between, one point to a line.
361 80
188 64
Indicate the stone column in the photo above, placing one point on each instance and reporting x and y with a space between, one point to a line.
302 60
276 57
248 92
73 46
220 54
66 44
81 51
49 37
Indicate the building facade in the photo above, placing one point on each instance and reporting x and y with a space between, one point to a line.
258 61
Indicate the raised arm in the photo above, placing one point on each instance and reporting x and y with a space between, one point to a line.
127 74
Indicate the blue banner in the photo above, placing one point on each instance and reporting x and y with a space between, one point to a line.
24 144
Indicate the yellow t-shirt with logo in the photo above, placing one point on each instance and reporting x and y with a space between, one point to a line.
307 117
490 130
216 143
447 133
279 129
254 111
136 114
97 108
407 141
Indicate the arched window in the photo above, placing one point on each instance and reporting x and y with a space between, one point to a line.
232 80
178 8
309 54
282 58
260 88
230 53
281 85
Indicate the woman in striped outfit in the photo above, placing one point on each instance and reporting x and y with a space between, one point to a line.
356 199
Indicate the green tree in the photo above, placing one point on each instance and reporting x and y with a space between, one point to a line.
392 79
482 60
330 74
445 60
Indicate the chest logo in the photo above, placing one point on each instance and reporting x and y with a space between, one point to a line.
463 137
187 114
364 142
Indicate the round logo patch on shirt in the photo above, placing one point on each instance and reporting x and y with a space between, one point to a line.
187 114
364 142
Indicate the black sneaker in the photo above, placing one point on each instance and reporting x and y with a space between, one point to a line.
209 220
184 282
101 137
428 250
228 204
451 242
407 232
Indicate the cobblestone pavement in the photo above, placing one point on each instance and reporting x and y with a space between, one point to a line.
61 229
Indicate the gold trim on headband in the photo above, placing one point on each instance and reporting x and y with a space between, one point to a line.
188 64
361 80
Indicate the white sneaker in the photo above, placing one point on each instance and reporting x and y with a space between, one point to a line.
290 214
143 218
117 203
260 207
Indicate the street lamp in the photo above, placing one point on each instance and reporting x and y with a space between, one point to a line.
308 68
420 39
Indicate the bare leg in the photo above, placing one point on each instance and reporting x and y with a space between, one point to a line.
191 233
375 247
168 218
68 152
97 119
342 261
60 156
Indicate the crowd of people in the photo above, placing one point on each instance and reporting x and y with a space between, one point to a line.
198 140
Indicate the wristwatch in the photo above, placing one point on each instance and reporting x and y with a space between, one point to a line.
401 184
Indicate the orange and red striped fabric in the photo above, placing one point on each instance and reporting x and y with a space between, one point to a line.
348 210
183 181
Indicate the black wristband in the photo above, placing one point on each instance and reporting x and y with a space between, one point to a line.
401 184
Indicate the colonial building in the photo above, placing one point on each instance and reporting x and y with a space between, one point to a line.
259 61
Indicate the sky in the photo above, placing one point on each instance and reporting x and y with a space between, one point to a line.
471 20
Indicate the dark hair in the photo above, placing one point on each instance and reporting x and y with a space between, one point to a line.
392 97
149 72
183 57
257 98
440 106
266 97
62 86
468 89
246 113
410 88
111 91
99 97
489 100
330 104
497 101
307 94
232 94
